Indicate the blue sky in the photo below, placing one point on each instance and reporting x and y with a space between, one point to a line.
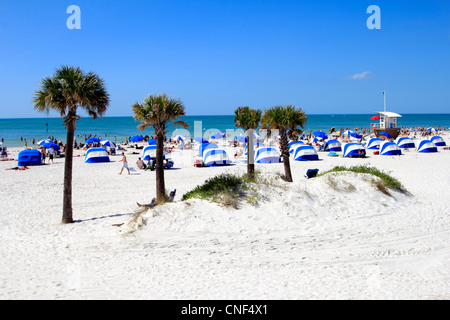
218 55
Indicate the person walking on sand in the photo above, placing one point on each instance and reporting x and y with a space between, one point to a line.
125 163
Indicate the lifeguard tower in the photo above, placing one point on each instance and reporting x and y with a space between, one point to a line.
388 122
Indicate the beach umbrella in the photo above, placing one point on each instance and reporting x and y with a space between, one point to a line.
201 140
375 118
179 138
92 140
44 141
218 136
320 134
431 129
136 138
152 142
448 128
49 145
383 133
256 135
242 139
348 132
316 139
108 143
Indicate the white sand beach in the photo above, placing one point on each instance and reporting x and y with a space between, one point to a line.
310 239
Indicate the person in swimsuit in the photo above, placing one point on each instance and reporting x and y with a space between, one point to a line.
125 163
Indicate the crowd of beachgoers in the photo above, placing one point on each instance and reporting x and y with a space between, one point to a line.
186 142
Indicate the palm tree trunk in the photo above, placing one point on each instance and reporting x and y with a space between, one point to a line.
250 155
160 184
68 164
285 155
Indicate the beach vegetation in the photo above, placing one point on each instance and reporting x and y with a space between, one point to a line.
248 119
158 111
67 90
384 183
224 188
228 189
285 119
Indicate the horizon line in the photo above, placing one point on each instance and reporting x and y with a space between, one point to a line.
228 115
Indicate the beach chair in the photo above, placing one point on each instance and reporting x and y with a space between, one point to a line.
311 173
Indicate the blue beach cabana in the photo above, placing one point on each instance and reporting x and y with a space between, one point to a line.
215 157
354 150
405 143
438 141
426 146
96 155
267 155
29 158
305 153
374 143
333 145
390 149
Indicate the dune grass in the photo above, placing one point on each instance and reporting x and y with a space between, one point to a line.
227 189
384 183
224 188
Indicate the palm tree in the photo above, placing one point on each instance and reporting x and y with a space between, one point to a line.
284 118
68 89
248 119
158 111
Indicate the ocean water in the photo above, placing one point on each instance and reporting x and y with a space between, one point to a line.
119 128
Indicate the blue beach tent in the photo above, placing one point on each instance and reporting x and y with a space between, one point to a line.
293 145
426 146
267 155
438 141
405 143
305 153
149 152
215 157
354 150
389 149
96 155
333 145
29 158
205 146
374 143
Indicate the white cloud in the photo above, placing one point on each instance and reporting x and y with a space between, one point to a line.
359 76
